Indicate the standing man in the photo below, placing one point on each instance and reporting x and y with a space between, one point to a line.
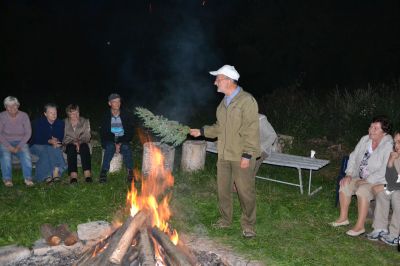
237 129
116 132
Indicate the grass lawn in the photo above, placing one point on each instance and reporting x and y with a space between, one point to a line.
292 229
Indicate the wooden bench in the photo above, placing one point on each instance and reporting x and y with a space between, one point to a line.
287 160
16 163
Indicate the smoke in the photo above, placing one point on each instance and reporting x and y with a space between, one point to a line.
188 57
169 74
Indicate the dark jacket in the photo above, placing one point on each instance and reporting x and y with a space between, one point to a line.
106 135
42 131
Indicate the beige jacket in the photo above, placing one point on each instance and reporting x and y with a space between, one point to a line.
81 132
237 128
376 163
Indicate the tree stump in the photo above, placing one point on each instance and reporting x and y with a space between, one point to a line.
193 155
149 163
283 143
116 162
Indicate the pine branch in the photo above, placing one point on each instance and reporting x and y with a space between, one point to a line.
170 131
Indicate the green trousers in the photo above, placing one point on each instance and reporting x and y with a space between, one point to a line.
227 173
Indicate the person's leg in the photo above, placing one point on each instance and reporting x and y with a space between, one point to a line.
109 151
127 156
224 185
72 154
364 196
25 158
86 160
57 161
43 169
84 151
5 162
345 193
394 227
381 212
245 185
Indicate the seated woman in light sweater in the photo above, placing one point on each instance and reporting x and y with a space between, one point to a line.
76 140
15 131
366 167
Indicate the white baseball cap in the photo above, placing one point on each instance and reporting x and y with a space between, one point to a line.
228 71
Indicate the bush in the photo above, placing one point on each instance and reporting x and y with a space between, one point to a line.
340 115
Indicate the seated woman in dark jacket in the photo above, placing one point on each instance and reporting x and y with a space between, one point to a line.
48 132
76 141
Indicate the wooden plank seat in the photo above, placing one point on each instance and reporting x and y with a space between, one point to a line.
15 161
288 160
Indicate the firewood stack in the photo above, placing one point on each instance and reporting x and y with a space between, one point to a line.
134 244
56 235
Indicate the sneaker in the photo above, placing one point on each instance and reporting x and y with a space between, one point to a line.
221 224
28 182
249 233
376 234
8 183
390 240
88 179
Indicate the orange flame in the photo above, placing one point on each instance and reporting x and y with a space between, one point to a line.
155 186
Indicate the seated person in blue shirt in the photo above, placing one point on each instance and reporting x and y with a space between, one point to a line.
48 133
116 132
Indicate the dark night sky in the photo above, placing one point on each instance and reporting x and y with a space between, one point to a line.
158 53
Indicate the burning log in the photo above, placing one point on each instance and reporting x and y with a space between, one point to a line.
99 254
126 240
146 250
172 251
193 155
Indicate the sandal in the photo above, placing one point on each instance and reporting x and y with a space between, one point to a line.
28 182
49 180
8 183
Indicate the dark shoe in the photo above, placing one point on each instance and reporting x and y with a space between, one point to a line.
88 179
130 177
73 180
103 177
221 224
249 233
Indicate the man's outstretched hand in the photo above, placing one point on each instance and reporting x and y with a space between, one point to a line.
195 132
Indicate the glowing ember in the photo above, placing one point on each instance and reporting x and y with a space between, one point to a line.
154 186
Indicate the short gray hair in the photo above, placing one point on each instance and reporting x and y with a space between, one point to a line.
10 100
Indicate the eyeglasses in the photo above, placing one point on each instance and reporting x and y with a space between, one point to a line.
221 79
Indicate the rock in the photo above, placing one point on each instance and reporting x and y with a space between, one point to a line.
93 230
13 253
41 248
